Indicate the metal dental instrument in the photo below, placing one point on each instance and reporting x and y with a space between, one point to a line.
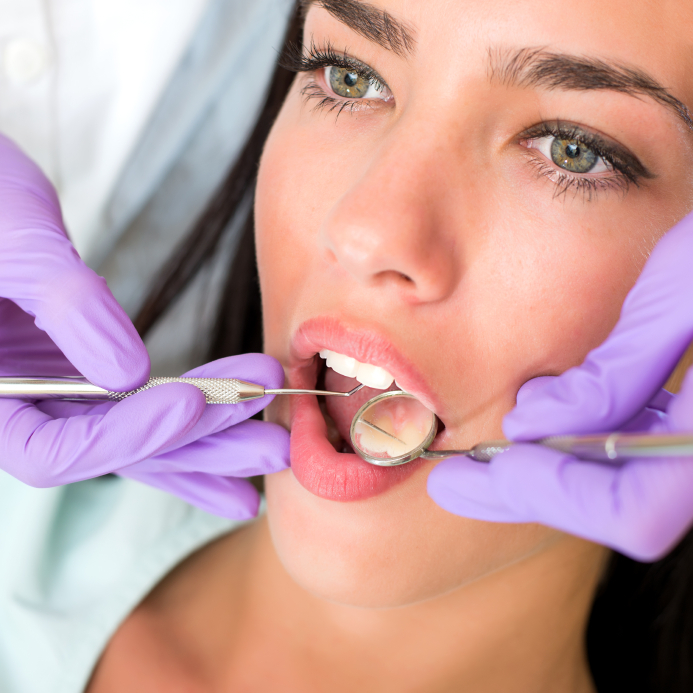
390 429
394 428
216 390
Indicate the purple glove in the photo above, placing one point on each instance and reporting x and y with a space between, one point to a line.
642 507
57 317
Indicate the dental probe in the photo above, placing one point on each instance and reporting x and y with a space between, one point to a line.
607 447
216 390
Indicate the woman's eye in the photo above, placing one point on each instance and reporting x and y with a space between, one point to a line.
350 84
570 154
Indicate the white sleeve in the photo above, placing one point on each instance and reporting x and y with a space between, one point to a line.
78 83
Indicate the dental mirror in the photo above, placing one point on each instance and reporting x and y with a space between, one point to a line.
392 428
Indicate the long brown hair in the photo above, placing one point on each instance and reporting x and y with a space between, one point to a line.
238 326
640 634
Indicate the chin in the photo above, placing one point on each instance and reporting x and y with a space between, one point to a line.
377 553
354 533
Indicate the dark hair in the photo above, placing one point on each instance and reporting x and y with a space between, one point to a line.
640 633
238 327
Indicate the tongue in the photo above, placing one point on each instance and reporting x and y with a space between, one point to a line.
343 409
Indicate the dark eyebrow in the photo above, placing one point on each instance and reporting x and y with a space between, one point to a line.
529 67
372 23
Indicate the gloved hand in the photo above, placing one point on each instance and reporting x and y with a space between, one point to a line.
57 317
642 507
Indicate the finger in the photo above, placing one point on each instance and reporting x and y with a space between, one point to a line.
43 274
25 349
235 499
641 508
256 368
661 400
63 409
680 410
250 448
79 313
42 451
537 386
465 487
533 386
619 377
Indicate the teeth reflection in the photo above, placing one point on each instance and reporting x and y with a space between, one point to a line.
370 376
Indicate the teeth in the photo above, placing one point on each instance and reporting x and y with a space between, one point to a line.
344 365
374 376
370 376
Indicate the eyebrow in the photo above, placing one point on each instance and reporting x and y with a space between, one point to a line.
529 67
372 23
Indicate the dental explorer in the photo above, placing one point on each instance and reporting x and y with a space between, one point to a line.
216 390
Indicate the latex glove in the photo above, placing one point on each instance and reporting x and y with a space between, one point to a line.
69 321
214 449
57 317
642 507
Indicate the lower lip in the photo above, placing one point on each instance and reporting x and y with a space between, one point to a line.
323 471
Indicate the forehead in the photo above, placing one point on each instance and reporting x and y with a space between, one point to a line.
655 35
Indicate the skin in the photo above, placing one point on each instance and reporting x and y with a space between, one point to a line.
428 210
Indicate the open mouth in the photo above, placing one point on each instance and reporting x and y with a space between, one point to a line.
322 458
339 412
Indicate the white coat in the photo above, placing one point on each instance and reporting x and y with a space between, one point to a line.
135 109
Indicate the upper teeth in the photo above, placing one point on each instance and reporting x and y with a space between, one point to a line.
371 376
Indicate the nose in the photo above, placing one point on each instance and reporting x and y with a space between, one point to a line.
391 228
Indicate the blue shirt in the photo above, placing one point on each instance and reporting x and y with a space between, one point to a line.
74 562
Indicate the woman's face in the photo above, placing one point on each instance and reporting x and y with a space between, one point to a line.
463 199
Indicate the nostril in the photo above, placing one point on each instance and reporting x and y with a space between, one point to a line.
394 277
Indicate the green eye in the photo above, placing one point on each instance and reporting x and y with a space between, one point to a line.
573 155
348 83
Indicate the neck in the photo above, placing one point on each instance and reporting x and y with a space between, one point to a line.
521 628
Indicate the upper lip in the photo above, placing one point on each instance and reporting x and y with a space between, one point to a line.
365 345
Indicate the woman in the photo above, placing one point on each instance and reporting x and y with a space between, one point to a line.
427 205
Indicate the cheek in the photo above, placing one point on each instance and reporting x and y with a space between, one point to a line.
305 170
280 251
380 553
550 285
287 214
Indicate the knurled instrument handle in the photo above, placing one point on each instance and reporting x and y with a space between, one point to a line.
216 390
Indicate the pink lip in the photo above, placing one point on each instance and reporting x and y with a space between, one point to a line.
315 463
366 346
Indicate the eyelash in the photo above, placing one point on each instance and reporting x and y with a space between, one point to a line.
625 169
624 173
319 58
